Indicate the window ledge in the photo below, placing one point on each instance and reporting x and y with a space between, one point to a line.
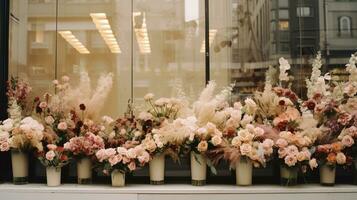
140 191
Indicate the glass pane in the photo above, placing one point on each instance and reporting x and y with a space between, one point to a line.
171 52
32 42
103 30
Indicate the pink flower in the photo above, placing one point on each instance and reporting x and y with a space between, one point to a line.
268 143
110 152
347 141
50 155
132 166
52 147
113 160
43 105
5 146
101 155
313 163
144 157
282 152
301 156
340 158
290 160
131 153
49 120
292 150
245 149
62 126
281 143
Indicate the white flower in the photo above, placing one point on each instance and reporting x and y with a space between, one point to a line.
145 116
107 119
216 140
250 106
284 66
148 96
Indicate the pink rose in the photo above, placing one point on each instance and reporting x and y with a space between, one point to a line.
281 143
292 150
290 160
110 152
50 155
5 146
144 157
49 120
347 141
282 152
132 166
62 126
268 143
42 105
52 147
113 160
101 155
131 153
245 149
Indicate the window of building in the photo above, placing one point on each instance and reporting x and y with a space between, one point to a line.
283 3
283 25
284 14
303 11
344 27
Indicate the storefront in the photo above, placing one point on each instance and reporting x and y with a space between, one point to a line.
160 47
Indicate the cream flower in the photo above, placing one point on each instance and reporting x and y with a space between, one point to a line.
216 140
202 146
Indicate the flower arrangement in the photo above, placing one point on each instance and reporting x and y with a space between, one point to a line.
53 156
125 160
84 146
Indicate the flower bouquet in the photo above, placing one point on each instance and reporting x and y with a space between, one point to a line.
328 103
154 124
53 158
83 148
20 134
121 160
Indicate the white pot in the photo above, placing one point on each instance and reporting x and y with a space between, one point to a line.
84 171
19 167
157 169
288 175
118 179
244 172
327 175
198 169
53 175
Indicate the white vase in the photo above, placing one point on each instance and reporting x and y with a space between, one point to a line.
118 179
157 169
198 169
53 175
84 171
288 175
244 172
327 175
19 167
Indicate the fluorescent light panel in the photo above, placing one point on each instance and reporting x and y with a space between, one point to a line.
142 35
102 23
74 42
211 36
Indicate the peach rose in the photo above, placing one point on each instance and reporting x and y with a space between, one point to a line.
290 160
331 158
245 149
313 163
236 142
340 158
281 143
132 166
202 146
62 126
